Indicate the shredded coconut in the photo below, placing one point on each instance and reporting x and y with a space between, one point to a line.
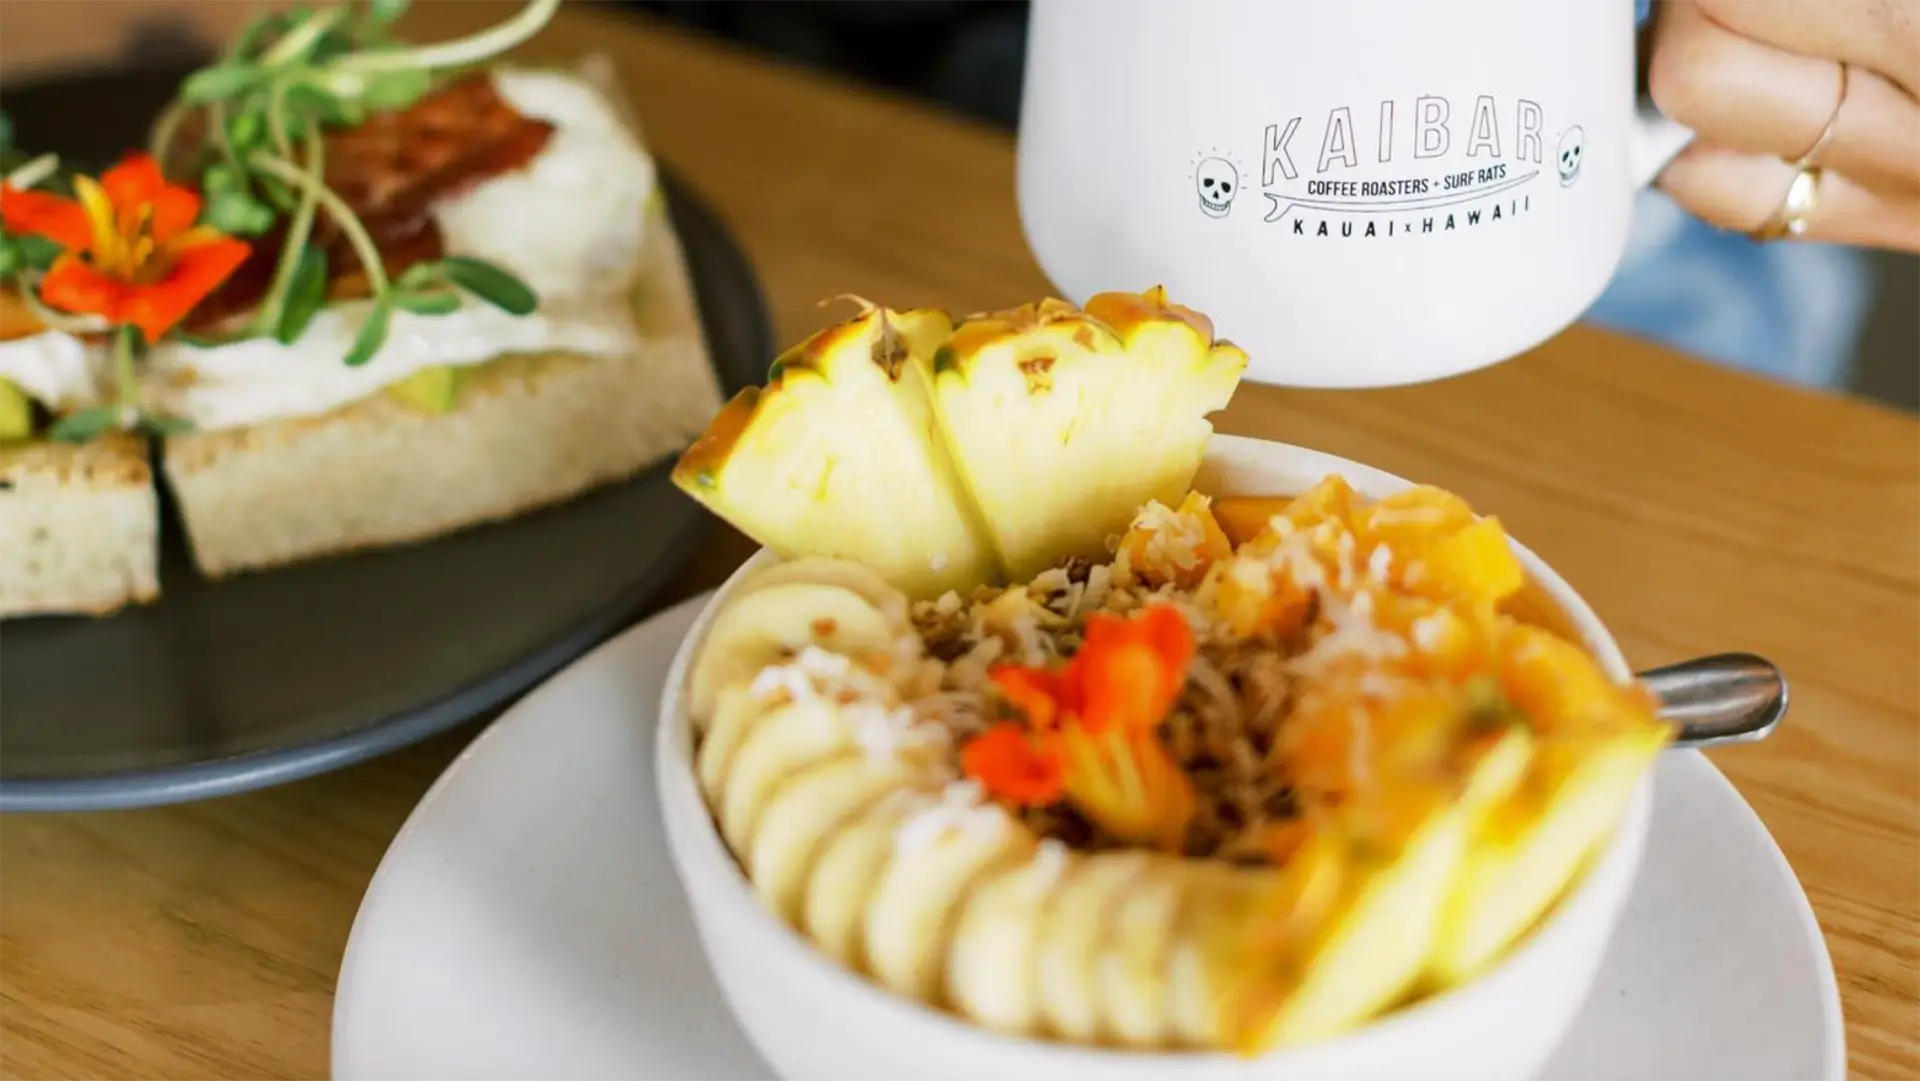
1380 563
962 808
1430 632
1352 634
889 734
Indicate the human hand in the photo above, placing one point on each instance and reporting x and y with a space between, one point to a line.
1770 86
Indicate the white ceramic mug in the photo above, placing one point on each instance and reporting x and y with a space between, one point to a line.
1359 192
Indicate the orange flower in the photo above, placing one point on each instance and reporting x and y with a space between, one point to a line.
133 253
1006 759
1089 729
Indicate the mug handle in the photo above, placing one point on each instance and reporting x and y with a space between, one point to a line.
1652 141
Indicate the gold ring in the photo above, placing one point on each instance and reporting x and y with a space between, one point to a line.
1791 216
1826 133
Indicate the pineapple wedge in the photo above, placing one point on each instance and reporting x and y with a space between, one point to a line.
837 456
1064 422
1381 940
1533 844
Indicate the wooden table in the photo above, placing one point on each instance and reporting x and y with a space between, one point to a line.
1700 510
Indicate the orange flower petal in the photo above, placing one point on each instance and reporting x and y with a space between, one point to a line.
1166 632
173 213
137 182
1128 693
72 285
1035 693
196 272
1005 760
38 213
1133 670
137 179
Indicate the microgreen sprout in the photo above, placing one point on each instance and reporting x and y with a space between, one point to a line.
263 109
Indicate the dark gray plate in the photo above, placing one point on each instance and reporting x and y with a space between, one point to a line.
223 687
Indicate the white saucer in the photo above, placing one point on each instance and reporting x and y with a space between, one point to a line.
526 922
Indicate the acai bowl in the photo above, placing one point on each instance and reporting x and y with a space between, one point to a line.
1240 761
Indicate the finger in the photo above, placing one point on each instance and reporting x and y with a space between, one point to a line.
1740 191
1881 35
1740 93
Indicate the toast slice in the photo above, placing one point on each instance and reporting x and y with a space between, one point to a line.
79 527
526 431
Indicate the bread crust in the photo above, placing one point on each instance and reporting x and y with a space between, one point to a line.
525 431
79 527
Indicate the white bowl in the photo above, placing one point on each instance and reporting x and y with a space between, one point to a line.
812 1019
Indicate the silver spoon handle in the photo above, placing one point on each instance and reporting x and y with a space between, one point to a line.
1725 698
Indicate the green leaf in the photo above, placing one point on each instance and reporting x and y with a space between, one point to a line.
332 44
277 193
419 276
36 252
257 34
311 100
6 133
306 295
85 425
222 82
165 425
491 283
237 214
394 89
427 302
373 334
9 256
386 12
247 130
221 179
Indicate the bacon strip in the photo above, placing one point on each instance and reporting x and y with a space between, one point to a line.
391 170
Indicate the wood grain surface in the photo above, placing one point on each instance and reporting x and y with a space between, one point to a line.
1698 509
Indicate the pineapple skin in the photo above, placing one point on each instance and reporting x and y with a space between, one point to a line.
1064 422
838 456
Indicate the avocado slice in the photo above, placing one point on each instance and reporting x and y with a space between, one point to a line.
430 390
16 414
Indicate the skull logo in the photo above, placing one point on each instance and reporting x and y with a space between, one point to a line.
1216 181
1572 146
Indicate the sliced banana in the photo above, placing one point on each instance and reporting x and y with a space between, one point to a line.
1072 927
1130 967
785 741
990 963
844 573
736 714
1382 938
805 811
1204 960
914 904
766 625
843 879
1532 845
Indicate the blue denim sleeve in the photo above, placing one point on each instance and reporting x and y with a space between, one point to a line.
1792 311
